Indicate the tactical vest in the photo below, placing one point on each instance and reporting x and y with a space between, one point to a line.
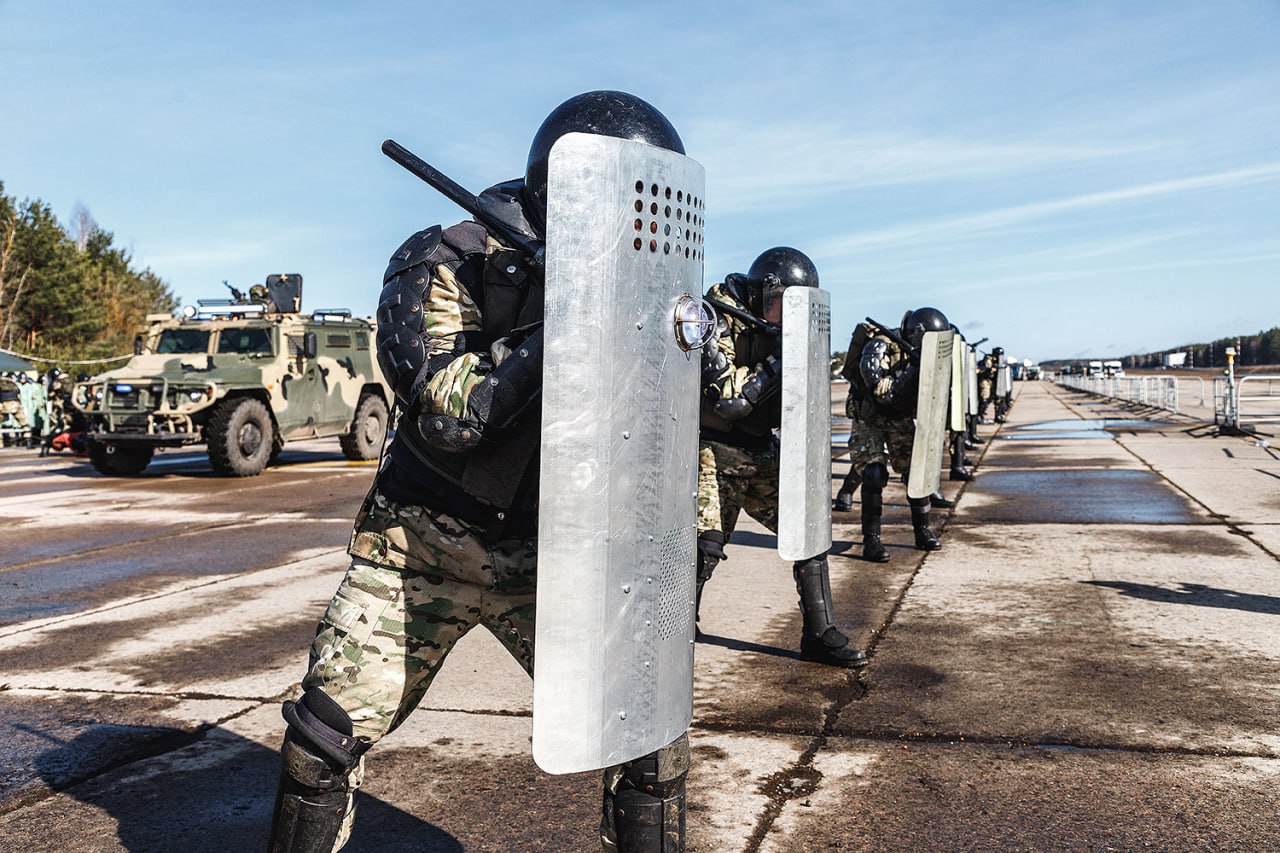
499 475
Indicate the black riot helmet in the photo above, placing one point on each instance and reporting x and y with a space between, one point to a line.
604 113
922 320
773 272
997 351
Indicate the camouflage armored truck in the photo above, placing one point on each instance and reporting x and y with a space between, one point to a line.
243 376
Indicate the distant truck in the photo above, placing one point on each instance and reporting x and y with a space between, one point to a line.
244 376
1173 359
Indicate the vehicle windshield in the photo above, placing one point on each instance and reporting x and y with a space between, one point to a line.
182 341
246 341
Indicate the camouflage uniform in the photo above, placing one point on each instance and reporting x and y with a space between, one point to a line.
882 405
12 413
876 435
737 463
426 565
987 368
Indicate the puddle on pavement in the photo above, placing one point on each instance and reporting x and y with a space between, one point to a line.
1076 428
1115 496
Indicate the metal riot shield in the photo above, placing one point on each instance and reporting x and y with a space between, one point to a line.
971 378
932 401
804 487
613 673
1004 379
959 387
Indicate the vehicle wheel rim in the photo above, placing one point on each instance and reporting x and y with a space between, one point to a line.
250 439
372 429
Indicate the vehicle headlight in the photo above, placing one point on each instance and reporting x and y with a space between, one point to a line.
195 395
97 395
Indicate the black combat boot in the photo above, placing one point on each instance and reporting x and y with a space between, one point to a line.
938 500
821 641
646 812
844 497
925 538
311 802
874 479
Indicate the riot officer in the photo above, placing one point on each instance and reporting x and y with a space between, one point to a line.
433 552
13 414
988 367
882 405
738 456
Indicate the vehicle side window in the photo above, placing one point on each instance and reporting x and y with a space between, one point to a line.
332 340
362 340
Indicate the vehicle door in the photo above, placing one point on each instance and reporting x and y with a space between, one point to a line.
339 376
300 405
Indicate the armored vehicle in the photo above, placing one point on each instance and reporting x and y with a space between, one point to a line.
242 375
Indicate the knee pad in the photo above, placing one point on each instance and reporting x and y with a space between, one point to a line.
875 475
320 726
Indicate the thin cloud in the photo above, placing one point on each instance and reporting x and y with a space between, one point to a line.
751 168
1005 217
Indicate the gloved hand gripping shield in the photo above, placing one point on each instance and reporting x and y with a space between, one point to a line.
959 387
932 402
804 503
613 673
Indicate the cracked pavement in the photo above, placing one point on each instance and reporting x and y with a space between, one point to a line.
1090 662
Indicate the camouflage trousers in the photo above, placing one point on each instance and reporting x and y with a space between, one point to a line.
13 409
731 479
881 440
417 583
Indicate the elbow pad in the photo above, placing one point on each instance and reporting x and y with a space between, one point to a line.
714 362
732 408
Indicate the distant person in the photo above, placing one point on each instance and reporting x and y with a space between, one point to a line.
738 454
882 405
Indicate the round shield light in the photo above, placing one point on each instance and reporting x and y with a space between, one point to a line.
695 322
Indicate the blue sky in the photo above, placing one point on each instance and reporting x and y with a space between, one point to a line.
1070 178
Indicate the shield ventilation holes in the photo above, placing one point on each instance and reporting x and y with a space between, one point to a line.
675 582
681 223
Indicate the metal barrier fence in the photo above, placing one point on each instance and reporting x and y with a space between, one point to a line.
1160 392
1247 402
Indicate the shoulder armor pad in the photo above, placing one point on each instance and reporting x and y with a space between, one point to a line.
735 287
413 251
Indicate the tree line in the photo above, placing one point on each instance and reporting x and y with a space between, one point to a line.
66 292
1262 348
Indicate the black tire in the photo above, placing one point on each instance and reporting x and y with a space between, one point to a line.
368 429
119 460
240 436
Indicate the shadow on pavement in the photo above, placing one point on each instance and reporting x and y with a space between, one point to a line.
745 646
1196 594
216 794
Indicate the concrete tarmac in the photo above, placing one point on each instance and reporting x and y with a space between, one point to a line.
1090 662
